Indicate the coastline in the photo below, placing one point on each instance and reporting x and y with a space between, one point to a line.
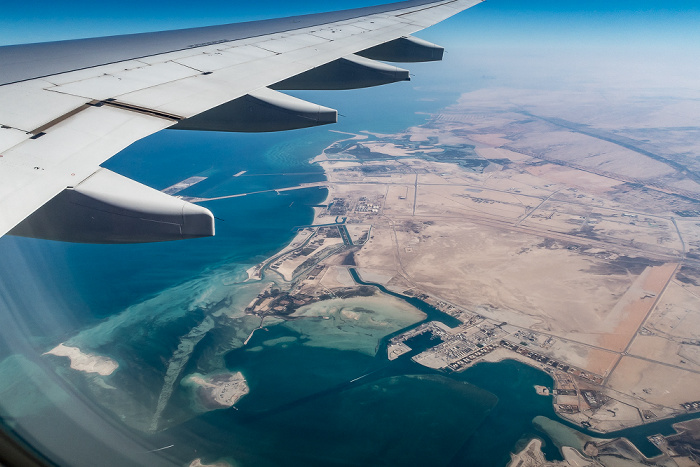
256 272
320 217
619 418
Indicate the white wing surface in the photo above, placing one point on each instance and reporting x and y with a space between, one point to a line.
66 107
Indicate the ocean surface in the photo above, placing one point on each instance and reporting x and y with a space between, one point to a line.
163 311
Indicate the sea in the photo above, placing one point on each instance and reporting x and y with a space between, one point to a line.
317 395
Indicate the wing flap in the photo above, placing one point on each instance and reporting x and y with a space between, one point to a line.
82 138
191 96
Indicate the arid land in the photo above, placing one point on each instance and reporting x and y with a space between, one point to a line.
557 235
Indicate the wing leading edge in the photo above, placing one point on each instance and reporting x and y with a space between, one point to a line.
66 107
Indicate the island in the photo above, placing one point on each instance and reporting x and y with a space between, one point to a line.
217 391
81 361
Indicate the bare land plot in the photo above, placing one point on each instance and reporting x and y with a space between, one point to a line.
664 350
476 266
656 383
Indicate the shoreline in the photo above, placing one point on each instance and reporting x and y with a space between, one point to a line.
218 390
256 272
501 355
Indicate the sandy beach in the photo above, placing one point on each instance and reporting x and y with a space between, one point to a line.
88 363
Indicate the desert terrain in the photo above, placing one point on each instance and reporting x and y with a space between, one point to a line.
580 242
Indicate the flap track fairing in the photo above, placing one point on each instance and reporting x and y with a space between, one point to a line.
406 50
260 111
351 72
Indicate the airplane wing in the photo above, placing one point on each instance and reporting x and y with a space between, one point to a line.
66 107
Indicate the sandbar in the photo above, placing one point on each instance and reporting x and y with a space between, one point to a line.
81 361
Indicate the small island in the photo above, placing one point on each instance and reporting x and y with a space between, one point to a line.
217 391
82 361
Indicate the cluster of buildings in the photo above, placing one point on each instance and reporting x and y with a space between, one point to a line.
365 205
361 205
468 359
691 406
458 347
544 360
